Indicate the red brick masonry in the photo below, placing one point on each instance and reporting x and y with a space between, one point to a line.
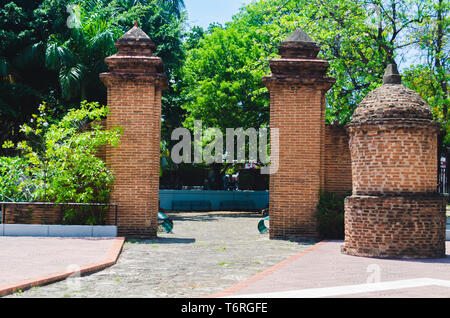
399 226
297 108
32 214
338 164
395 210
135 83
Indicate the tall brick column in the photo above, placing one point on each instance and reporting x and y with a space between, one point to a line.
135 83
395 210
298 85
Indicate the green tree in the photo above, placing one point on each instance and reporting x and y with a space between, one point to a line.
223 81
48 52
58 162
358 38
430 76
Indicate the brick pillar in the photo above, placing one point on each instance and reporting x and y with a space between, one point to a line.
298 85
135 83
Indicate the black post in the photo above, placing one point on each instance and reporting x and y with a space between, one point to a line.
116 214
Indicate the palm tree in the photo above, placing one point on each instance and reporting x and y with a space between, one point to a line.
176 6
79 59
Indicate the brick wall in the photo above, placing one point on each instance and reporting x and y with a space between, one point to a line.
134 106
397 226
297 111
32 214
338 165
395 210
394 160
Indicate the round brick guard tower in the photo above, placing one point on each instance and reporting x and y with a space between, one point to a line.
395 210
135 83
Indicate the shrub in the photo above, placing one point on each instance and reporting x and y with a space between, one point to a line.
15 180
330 215
58 162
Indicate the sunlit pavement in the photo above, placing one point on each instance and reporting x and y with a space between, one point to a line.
322 271
31 261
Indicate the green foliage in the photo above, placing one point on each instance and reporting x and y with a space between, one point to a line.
15 180
89 215
59 159
42 58
358 39
330 216
430 76
428 84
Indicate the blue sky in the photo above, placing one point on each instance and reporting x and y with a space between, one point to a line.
204 12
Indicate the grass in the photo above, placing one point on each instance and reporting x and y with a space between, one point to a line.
201 244
224 263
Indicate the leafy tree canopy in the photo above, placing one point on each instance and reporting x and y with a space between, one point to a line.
53 50
358 38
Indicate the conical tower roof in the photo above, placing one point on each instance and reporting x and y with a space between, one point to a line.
299 36
392 102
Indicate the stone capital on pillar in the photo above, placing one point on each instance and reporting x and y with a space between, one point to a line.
299 63
135 60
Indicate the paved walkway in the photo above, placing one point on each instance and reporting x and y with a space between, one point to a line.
206 253
322 271
31 261
223 255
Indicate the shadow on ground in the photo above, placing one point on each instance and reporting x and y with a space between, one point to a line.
210 216
162 240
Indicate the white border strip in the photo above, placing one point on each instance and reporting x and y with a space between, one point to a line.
39 230
350 289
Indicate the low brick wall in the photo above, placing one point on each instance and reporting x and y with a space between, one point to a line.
395 227
338 164
32 214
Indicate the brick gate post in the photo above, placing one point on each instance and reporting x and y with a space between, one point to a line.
297 85
135 83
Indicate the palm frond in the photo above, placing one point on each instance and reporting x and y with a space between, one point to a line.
57 56
70 79
3 67
103 42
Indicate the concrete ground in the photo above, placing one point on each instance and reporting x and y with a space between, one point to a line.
322 271
27 261
206 253
223 255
